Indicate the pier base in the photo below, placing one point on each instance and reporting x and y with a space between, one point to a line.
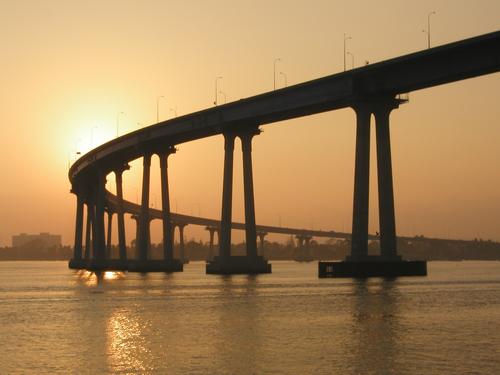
174 265
371 268
238 265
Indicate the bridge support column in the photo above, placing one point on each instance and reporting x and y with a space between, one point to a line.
303 243
80 201
108 238
359 245
122 243
300 241
98 222
89 230
182 256
359 263
212 231
137 234
262 236
251 263
385 188
168 251
250 227
307 241
227 197
143 238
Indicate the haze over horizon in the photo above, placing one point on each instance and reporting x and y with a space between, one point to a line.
69 68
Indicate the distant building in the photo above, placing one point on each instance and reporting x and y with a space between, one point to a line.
44 239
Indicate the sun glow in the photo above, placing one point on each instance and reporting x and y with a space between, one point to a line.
113 275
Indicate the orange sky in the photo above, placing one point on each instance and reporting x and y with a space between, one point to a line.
67 68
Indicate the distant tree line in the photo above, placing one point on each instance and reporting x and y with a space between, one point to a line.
416 248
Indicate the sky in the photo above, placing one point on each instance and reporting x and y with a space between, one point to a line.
69 68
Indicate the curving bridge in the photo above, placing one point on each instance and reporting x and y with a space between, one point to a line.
374 89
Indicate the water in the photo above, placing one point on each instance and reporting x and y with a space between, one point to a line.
54 320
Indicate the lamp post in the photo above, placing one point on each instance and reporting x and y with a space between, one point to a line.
118 122
158 108
352 58
216 88
223 94
285 78
428 32
346 38
274 71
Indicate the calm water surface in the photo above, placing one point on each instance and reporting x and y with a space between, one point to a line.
54 320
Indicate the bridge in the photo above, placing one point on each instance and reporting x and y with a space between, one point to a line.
374 89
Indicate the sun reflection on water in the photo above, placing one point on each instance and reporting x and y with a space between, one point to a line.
87 278
113 275
95 279
127 350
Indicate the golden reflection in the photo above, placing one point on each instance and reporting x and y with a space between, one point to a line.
87 278
126 346
95 279
113 275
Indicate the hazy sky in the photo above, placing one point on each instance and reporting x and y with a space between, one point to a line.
67 68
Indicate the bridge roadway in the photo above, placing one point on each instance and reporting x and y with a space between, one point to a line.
369 90
135 209
182 219
436 66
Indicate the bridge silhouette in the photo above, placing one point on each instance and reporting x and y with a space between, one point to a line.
370 90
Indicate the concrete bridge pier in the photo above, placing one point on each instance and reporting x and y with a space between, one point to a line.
122 243
171 264
147 243
95 246
385 187
182 257
98 223
88 229
359 263
262 237
251 263
212 231
359 247
80 202
108 236
144 227
303 247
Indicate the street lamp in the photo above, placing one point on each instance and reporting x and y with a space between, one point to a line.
223 94
158 108
118 122
428 31
174 110
352 58
346 38
274 76
216 89
284 77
